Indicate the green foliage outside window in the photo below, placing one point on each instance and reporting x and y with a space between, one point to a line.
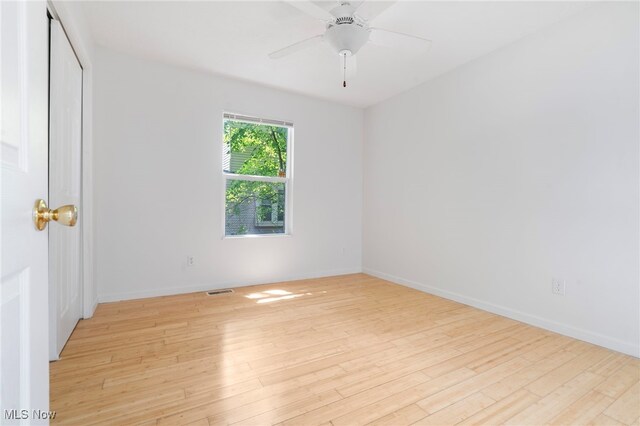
258 150
266 146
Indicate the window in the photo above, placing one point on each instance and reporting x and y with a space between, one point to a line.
256 162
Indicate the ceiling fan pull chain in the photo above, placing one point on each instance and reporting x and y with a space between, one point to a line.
344 70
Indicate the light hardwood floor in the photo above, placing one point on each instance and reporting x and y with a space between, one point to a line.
342 350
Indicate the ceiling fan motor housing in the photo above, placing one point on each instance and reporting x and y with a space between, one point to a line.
349 37
346 33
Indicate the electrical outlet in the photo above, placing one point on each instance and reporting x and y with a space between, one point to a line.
558 286
190 261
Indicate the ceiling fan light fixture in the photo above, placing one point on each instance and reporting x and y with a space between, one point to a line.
347 37
346 32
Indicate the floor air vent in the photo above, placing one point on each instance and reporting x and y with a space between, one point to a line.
217 292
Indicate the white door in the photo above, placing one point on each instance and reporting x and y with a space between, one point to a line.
65 142
24 366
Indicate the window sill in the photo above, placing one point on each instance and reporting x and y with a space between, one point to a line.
241 237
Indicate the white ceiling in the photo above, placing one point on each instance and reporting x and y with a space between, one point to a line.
233 38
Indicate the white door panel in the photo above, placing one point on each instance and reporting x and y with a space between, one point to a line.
24 367
65 142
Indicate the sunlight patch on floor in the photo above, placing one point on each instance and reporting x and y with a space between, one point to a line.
267 296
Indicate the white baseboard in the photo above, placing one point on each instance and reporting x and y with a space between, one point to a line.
94 306
115 297
628 348
89 308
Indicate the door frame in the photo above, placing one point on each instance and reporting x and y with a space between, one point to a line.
81 46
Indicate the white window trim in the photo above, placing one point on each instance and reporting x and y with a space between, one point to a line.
288 180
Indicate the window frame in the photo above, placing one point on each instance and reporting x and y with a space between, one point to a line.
287 180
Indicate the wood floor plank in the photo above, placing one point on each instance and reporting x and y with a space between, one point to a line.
620 381
583 410
348 404
463 389
274 415
604 420
526 375
626 408
366 413
343 351
543 411
458 411
502 410
562 374
404 416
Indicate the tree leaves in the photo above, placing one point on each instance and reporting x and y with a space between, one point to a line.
264 150
266 146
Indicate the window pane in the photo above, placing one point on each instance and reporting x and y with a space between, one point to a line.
254 207
254 149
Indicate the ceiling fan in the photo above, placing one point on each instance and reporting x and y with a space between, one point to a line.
346 32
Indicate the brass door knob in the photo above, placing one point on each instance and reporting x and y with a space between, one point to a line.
65 215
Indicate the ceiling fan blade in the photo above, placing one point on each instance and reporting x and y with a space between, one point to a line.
296 47
371 9
310 9
398 40
356 4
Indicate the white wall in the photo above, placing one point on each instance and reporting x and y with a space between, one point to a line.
518 167
159 191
